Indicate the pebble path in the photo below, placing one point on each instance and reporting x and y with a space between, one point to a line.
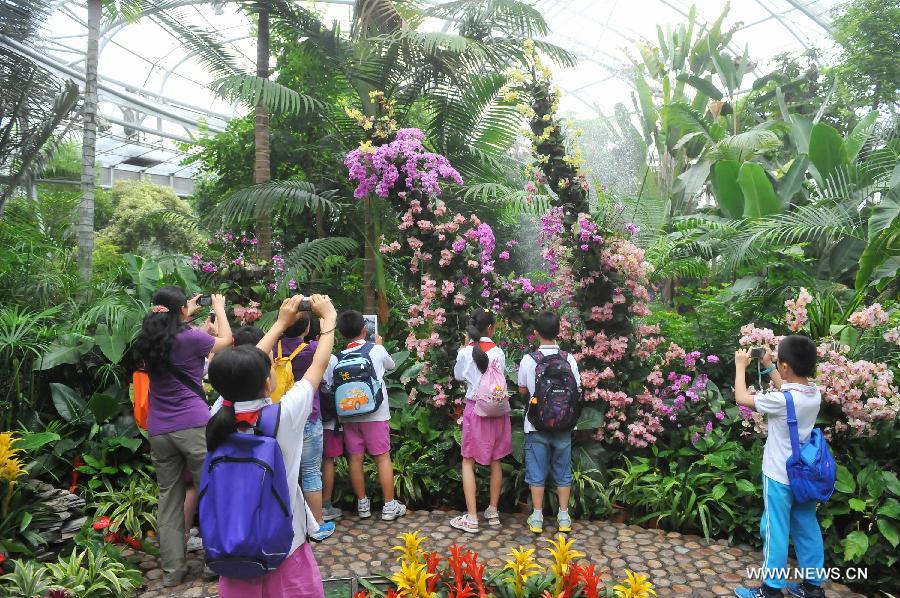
678 564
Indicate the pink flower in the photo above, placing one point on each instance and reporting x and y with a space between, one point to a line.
869 317
504 255
796 314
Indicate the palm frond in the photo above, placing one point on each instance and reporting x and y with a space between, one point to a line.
252 90
208 46
744 146
687 119
284 198
310 256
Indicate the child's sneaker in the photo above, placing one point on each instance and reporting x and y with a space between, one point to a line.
804 590
325 532
564 521
364 508
536 523
331 512
492 516
465 523
762 591
194 544
392 510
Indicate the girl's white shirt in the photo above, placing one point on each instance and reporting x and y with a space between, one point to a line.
466 370
296 405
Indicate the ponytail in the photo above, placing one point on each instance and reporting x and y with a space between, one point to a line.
154 342
480 321
238 374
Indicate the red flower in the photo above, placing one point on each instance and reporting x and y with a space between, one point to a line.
101 523
361 594
2 558
112 538
133 542
592 576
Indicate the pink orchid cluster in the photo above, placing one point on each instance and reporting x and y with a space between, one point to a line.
796 310
380 168
863 391
249 314
751 336
230 254
869 317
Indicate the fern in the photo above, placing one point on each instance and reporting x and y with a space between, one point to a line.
284 198
309 257
252 91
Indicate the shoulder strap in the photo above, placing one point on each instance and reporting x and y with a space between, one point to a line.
366 348
280 354
187 382
269 420
792 423
299 348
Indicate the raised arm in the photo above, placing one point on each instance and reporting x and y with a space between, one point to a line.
741 395
322 307
767 361
223 328
288 313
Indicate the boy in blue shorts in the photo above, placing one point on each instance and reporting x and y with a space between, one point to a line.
784 518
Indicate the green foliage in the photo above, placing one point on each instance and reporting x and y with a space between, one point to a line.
92 572
150 218
131 509
28 580
21 517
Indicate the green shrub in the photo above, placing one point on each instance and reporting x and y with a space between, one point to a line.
150 218
88 573
132 509
28 580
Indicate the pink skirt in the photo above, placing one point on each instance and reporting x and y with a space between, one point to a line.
297 577
485 439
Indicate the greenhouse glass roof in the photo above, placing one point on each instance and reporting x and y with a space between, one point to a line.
155 93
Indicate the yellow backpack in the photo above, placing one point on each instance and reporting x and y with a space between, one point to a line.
284 372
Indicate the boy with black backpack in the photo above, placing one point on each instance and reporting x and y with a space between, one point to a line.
361 405
551 385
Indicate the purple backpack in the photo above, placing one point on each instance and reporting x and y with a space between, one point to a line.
245 509
556 404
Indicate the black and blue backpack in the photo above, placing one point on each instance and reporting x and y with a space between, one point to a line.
357 389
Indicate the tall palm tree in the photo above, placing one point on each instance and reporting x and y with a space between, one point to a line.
85 226
262 171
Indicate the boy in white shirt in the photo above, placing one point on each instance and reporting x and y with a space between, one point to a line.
544 451
369 433
783 517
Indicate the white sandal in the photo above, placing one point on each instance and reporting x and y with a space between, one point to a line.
465 524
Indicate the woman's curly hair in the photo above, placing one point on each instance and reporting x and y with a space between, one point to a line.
154 341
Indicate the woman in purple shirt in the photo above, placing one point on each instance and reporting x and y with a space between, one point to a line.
174 355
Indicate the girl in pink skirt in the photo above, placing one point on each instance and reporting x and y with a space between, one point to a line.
485 440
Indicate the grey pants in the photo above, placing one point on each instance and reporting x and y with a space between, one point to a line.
170 454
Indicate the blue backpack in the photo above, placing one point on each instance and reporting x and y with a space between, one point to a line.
810 468
357 389
245 509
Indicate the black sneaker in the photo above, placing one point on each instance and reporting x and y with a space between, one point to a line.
804 590
762 591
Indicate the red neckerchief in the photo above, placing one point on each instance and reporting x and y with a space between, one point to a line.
485 345
249 418
356 343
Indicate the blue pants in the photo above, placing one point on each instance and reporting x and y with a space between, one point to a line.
783 518
546 453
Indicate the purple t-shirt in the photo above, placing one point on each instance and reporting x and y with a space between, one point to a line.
300 364
173 406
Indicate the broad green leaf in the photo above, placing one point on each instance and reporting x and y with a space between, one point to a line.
885 214
518 446
26 519
704 86
103 407
591 419
860 134
889 530
746 486
891 482
844 482
856 544
648 109
890 508
719 491
759 195
68 348
827 150
35 440
112 344
857 504
725 186
69 404
692 180
144 274
793 179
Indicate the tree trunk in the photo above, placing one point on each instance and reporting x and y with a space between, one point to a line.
262 171
84 229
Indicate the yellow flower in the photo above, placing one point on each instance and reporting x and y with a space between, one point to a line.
563 554
522 566
635 586
510 96
412 580
10 464
409 551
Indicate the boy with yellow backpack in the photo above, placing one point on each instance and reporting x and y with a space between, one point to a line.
292 356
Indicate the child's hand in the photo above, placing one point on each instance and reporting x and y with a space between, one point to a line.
379 340
741 359
766 359
289 312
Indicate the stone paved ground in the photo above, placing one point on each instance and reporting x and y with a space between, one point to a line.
678 565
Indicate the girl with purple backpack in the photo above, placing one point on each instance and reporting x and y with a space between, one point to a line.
486 429
242 376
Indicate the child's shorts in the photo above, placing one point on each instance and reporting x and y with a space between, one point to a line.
334 444
311 457
485 439
373 438
548 453
297 577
